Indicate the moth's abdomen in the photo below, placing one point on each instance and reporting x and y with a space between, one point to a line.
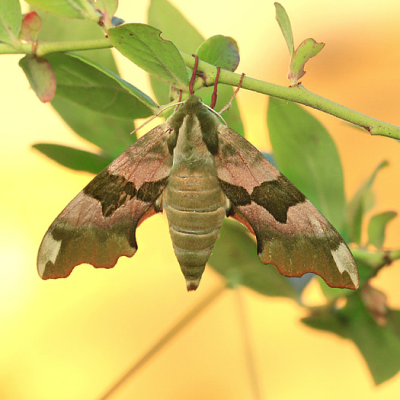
195 208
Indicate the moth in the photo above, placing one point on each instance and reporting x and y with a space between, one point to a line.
199 171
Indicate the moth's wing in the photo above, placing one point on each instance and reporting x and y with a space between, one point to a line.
99 224
291 233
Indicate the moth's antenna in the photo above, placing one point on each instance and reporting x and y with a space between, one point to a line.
160 111
179 100
216 113
192 79
214 94
229 104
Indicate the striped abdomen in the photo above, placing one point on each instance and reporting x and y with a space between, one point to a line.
195 206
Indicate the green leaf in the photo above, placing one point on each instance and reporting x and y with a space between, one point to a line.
31 25
143 45
81 9
284 23
40 75
307 49
377 228
305 152
61 29
110 133
10 21
177 28
221 51
92 86
161 90
75 159
235 257
379 345
362 202
174 26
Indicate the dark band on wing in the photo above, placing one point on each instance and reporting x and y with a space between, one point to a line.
150 191
276 196
112 191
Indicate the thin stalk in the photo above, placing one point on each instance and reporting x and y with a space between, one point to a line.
165 339
43 48
254 384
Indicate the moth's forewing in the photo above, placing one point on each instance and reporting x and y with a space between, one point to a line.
291 233
99 224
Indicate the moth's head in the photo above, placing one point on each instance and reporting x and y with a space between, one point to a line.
194 113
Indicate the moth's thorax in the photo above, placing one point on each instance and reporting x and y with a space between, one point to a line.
194 132
190 144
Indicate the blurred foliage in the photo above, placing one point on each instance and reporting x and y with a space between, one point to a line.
99 106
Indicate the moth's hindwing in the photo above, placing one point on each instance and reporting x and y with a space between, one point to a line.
99 225
291 233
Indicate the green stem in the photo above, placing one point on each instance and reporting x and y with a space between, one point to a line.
298 94
249 355
162 342
43 48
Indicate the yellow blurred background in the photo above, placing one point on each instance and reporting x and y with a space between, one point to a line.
72 338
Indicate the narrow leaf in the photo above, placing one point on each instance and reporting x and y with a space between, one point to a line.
221 51
110 133
31 25
284 23
307 49
305 152
379 345
143 45
40 75
235 258
377 227
362 202
90 85
10 21
75 159
80 9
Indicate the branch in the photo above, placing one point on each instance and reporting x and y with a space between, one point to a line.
298 94
43 48
165 339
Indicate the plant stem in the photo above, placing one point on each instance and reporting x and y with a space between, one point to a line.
43 48
298 94
168 336
249 355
